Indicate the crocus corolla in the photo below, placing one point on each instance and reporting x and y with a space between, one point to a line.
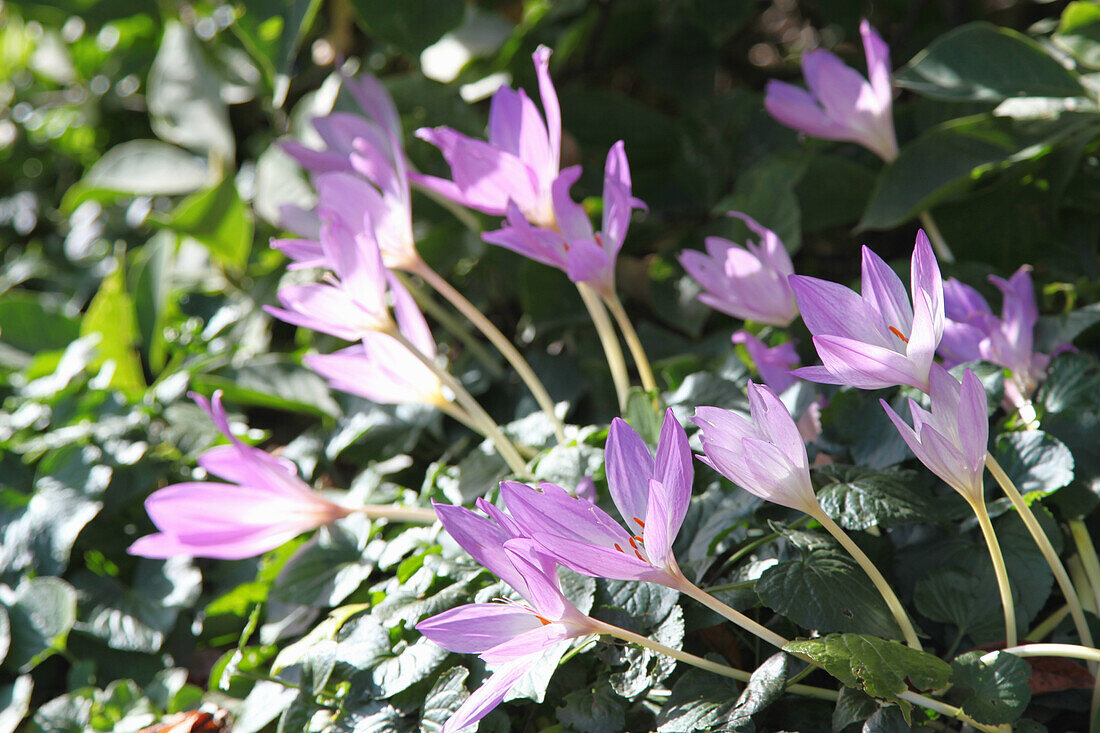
518 164
972 332
513 636
773 362
652 493
264 506
841 104
763 455
950 439
585 255
877 339
747 282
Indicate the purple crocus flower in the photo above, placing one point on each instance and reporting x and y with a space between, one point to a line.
877 339
749 283
513 636
264 506
651 492
773 362
763 455
951 438
571 245
841 104
972 332
518 164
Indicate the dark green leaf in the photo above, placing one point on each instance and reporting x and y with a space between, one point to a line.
594 710
878 667
272 381
39 532
151 274
411 25
324 571
443 699
887 720
31 323
766 192
963 598
855 420
42 611
219 219
1079 32
833 191
980 61
765 686
139 168
699 701
852 706
1039 464
828 591
641 415
1053 331
1072 384
69 713
996 692
859 498
949 159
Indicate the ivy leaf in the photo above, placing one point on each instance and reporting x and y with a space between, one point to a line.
325 570
596 710
219 219
644 667
828 591
448 692
996 692
963 598
39 531
855 420
765 686
412 25
1072 384
1037 462
852 706
640 607
699 701
860 498
41 611
879 667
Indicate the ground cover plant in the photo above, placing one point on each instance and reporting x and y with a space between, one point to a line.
675 365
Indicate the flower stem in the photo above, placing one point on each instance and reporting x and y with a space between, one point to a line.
452 325
1072 651
1047 549
945 709
1043 629
1087 552
645 371
475 411
819 692
610 341
498 339
943 252
999 570
688 588
888 595
416 515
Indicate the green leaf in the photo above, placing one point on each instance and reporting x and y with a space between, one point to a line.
996 692
966 599
272 380
1038 463
949 159
833 192
982 62
766 685
138 168
15 701
38 532
111 314
699 701
448 692
69 713
1072 384
31 323
641 415
412 25
852 706
828 591
219 219
42 611
1079 32
184 96
855 420
150 274
638 607
766 192
880 668
324 571
593 710
644 667
1053 331
860 498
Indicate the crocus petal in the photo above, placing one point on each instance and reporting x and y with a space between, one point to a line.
588 262
488 696
372 96
883 290
831 309
599 561
571 217
483 539
617 199
550 106
877 54
543 591
775 423
537 640
973 420
777 479
840 89
629 465
673 471
475 627
305 253
796 108
659 533
865 366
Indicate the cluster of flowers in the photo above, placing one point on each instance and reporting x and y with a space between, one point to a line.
361 232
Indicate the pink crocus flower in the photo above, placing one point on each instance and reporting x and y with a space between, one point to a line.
763 455
747 282
773 362
972 332
841 104
879 338
571 244
652 493
264 504
951 438
518 164
512 636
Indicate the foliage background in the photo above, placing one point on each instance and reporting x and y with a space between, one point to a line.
140 185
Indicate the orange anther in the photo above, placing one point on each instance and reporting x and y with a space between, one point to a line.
898 334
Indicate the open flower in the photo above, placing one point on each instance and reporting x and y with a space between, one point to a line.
520 161
841 104
773 362
877 339
972 332
514 636
572 245
765 455
951 438
265 505
747 282
651 492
